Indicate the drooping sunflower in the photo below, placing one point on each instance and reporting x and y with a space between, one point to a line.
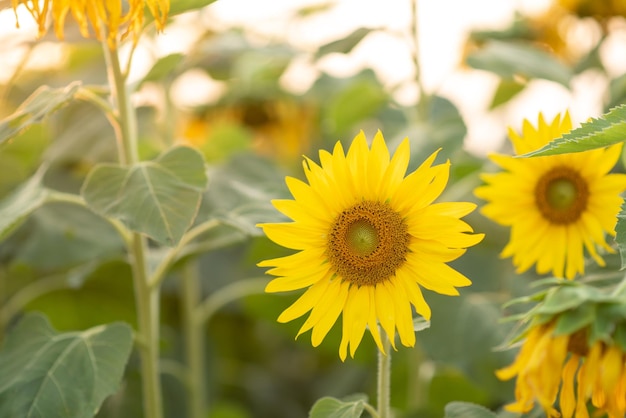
555 205
107 18
551 364
367 238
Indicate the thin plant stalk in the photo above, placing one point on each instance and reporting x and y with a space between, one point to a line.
423 99
190 292
146 296
384 379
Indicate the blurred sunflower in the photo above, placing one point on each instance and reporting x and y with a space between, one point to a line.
107 18
594 8
555 205
279 128
548 360
367 238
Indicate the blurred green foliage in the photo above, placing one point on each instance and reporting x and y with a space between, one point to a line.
253 135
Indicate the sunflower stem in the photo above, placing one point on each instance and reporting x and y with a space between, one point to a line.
146 296
384 379
190 292
424 99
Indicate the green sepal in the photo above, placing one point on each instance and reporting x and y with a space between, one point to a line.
619 336
575 319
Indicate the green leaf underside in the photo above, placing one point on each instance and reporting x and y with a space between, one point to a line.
329 407
344 45
610 129
467 410
45 374
182 6
41 103
158 198
15 208
620 234
510 60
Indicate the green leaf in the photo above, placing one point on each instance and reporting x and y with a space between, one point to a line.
163 68
158 198
47 374
510 60
15 208
507 89
620 234
182 6
607 130
344 45
467 410
41 103
579 317
561 299
329 407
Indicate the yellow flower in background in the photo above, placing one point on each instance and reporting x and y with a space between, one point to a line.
547 362
555 205
107 18
367 238
595 8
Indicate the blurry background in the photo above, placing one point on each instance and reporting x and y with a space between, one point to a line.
256 85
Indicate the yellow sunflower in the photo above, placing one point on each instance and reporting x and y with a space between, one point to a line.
367 238
583 372
555 205
106 17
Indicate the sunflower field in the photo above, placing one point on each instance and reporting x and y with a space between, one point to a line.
286 217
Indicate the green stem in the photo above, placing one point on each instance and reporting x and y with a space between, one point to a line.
146 296
226 294
170 258
147 305
29 293
127 137
424 98
194 342
371 410
384 379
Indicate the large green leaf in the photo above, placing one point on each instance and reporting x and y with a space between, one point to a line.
44 374
40 104
158 198
17 206
509 60
467 410
607 130
328 407
620 234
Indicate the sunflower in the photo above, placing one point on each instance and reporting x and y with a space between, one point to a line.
548 361
555 205
367 238
106 17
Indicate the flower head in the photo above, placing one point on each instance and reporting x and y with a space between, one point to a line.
107 18
367 239
551 363
555 205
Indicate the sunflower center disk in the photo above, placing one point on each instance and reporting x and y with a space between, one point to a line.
367 243
362 238
561 195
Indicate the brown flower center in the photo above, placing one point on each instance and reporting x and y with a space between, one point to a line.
561 195
577 342
367 243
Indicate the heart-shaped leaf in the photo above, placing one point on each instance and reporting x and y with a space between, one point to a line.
47 374
158 198
329 407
